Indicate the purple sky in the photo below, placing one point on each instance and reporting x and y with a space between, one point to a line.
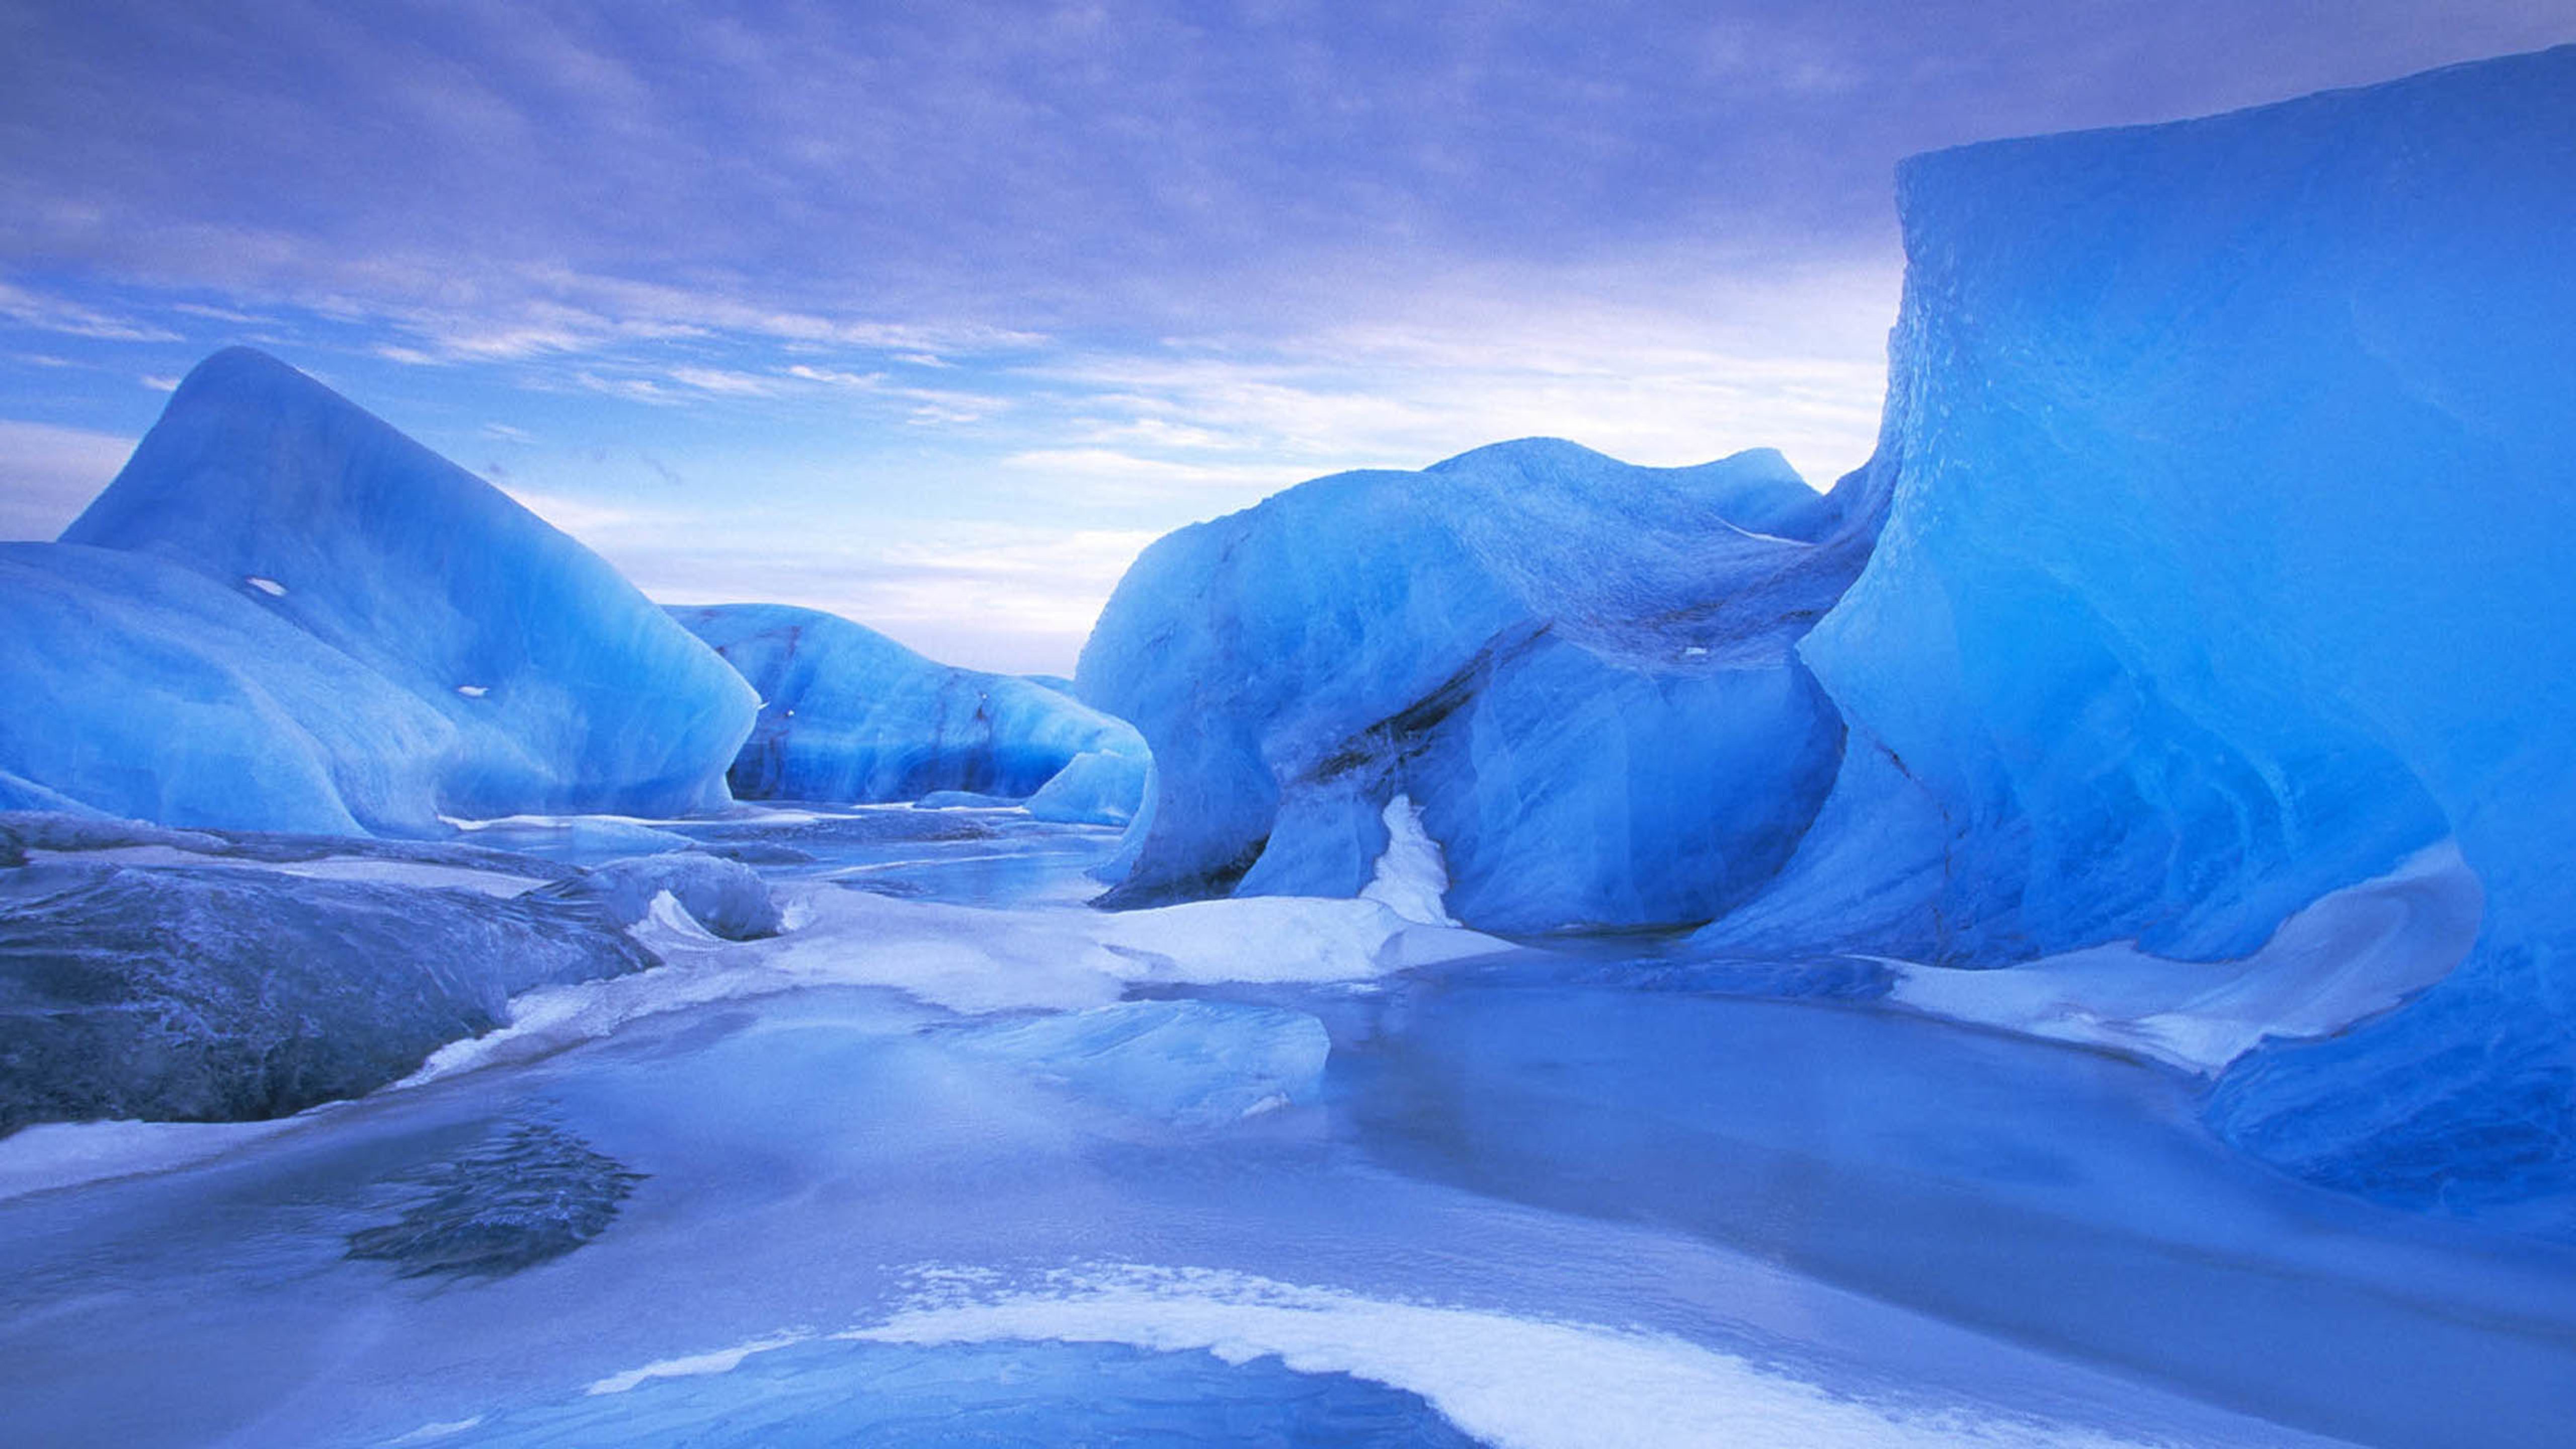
934 314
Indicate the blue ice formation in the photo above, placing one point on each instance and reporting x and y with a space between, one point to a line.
1096 787
1580 671
726 897
2231 476
2213 564
848 715
140 689
285 614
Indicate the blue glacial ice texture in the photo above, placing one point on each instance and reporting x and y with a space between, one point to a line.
2227 565
556 686
849 715
142 689
1096 787
1579 670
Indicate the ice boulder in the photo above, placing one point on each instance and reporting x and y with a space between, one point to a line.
1096 787
216 992
2232 468
726 897
550 683
849 715
1578 672
138 688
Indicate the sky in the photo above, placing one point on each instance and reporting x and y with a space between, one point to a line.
934 315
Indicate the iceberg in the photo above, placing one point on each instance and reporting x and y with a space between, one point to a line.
847 715
1096 787
141 689
500 666
1577 672
2224 568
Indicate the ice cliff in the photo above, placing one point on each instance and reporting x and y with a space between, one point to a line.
498 665
1579 672
850 715
2225 567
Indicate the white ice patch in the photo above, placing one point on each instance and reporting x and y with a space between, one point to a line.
432 1433
722 1361
52 1155
1516 1382
1412 878
668 923
972 960
2351 955
270 587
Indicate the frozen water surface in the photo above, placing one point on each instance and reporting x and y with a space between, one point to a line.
1112 1195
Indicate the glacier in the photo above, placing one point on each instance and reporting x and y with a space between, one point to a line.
849 715
423 645
1579 672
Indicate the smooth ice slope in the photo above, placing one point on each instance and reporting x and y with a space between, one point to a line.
849 715
2233 472
560 687
1578 670
140 689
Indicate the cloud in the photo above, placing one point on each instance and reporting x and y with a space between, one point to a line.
984 595
70 319
48 474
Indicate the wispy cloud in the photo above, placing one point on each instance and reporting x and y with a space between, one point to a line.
58 315
987 595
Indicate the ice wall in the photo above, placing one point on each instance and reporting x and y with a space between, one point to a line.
1579 670
847 714
2233 464
560 688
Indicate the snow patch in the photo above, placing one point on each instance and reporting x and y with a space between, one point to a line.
2351 955
722 1361
972 960
50 1155
432 1433
1411 877
1520 1382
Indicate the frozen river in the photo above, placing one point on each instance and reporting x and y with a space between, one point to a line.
1591 1196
